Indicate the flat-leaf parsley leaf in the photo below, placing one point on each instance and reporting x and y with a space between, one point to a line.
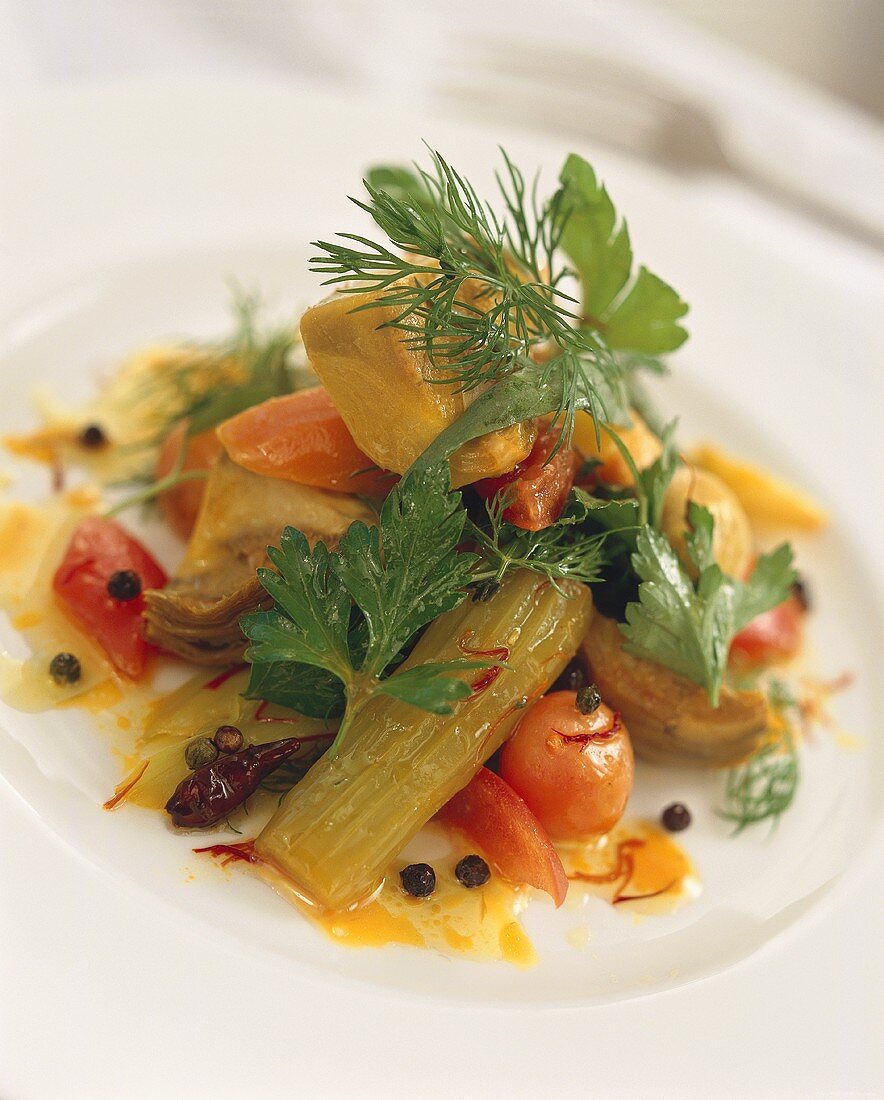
688 626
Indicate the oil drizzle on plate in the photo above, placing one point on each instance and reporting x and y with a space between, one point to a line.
477 924
636 866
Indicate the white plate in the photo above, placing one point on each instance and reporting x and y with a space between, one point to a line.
142 235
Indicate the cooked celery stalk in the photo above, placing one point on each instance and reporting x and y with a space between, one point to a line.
336 833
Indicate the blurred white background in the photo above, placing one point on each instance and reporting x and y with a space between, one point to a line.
834 43
783 96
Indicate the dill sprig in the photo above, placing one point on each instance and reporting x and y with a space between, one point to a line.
764 787
476 291
212 382
559 552
215 380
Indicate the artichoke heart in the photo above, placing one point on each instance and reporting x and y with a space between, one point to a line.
670 718
197 614
393 400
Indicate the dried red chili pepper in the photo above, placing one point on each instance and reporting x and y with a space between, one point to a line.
215 790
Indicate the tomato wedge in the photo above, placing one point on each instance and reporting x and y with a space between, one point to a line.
181 504
302 437
772 637
537 488
492 815
99 548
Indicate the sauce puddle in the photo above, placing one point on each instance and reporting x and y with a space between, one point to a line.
636 866
479 924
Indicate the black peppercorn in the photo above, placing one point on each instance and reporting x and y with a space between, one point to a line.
92 437
64 668
588 699
418 879
472 871
228 739
124 585
676 817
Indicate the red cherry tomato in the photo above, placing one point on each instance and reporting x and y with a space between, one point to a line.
772 637
99 548
573 770
498 821
537 488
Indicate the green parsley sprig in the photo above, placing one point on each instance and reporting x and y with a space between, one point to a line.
688 626
350 613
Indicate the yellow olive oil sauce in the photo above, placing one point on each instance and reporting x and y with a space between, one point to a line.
636 866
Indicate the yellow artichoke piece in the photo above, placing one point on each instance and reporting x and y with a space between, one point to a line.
391 397
670 718
732 542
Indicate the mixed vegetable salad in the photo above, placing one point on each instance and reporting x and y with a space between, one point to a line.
441 542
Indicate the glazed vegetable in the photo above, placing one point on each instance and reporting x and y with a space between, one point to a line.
302 437
772 637
197 616
214 791
573 769
767 499
180 504
391 397
536 490
732 536
670 718
98 549
349 615
639 440
493 816
336 832
687 626
445 279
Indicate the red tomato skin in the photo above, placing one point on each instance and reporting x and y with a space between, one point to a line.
98 548
498 821
302 437
575 771
538 489
180 505
771 638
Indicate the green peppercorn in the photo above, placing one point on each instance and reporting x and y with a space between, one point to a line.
64 668
472 871
124 585
199 752
588 699
418 879
228 739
